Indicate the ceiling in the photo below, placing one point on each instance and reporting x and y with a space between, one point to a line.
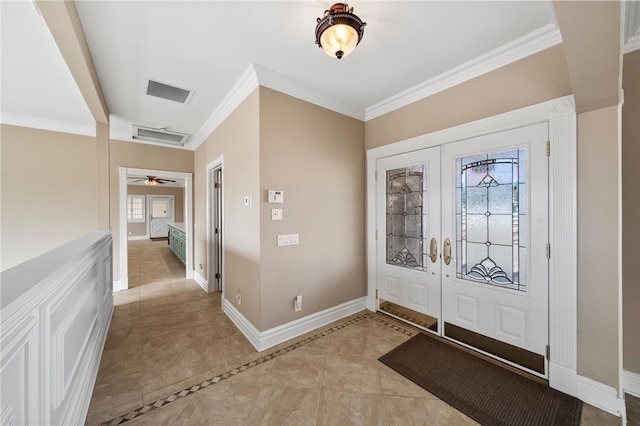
409 50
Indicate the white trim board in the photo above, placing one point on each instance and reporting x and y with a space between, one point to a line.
51 125
600 396
202 282
262 340
631 383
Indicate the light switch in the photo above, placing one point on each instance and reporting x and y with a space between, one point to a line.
276 214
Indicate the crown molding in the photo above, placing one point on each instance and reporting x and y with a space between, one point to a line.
280 82
245 85
527 45
256 75
54 126
632 27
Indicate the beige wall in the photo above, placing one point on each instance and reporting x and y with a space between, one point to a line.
317 158
140 156
631 211
137 229
532 80
598 255
48 185
238 139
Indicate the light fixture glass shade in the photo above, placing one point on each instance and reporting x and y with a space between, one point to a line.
339 31
338 38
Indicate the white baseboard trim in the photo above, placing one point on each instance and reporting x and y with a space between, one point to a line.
631 383
262 340
137 237
563 378
202 282
599 395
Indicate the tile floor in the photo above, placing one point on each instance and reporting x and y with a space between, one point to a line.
171 346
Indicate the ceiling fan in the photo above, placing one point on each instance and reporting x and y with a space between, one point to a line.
152 180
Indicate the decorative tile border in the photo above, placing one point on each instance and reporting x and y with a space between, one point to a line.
161 402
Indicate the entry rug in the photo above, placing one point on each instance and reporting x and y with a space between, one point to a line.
488 393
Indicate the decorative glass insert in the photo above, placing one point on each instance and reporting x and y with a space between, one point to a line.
406 199
491 207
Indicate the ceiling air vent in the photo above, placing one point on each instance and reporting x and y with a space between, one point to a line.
161 135
165 91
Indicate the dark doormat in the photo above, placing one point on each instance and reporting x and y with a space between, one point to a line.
488 393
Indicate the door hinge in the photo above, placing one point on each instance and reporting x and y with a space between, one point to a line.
548 251
376 293
376 175
218 275
216 230
216 185
548 352
376 234
548 148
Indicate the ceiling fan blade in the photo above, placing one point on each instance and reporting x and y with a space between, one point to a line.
164 180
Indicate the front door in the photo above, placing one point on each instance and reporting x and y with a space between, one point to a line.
408 202
160 215
488 286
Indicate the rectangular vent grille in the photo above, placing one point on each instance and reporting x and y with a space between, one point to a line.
165 91
159 135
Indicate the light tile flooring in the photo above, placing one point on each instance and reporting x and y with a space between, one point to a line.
170 344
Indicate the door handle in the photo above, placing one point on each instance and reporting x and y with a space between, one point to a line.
446 251
433 250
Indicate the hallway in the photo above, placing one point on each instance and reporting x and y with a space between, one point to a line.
173 357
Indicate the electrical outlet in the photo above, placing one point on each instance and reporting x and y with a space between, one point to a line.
298 303
288 240
239 298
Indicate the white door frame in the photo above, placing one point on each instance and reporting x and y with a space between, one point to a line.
218 163
561 117
188 218
150 212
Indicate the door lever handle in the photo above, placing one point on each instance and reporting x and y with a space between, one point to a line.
433 250
446 252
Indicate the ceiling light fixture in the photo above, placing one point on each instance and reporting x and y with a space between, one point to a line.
339 31
150 182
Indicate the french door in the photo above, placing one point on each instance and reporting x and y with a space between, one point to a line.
463 230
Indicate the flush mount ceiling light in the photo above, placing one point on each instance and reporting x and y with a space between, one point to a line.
339 31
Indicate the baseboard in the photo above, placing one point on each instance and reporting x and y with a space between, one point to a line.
202 282
262 340
137 237
631 383
563 378
599 395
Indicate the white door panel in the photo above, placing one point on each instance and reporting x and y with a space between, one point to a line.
408 194
495 212
160 214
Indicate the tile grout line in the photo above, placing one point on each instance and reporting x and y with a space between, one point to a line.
161 402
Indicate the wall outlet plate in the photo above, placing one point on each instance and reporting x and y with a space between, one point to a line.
288 240
276 214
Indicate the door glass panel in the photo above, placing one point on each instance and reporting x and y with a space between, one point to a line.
161 208
491 242
406 209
